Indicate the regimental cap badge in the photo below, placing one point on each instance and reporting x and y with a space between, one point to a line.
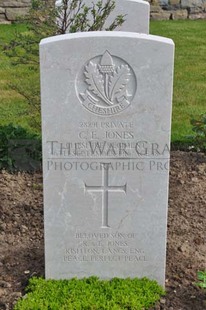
106 63
109 85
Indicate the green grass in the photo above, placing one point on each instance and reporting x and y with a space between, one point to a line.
201 275
189 80
90 294
190 71
13 107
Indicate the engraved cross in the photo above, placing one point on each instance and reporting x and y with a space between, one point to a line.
105 189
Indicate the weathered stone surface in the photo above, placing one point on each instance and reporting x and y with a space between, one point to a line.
4 22
15 4
174 2
197 16
164 15
179 14
155 2
155 9
195 10
172 8
191 3
2 17
13 13
2 10
105 210
163 2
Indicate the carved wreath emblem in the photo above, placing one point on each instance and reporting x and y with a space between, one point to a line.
109 86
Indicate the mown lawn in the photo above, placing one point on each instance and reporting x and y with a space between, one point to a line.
189 82
13 107
190 71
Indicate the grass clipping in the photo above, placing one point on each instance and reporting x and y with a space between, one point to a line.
90 293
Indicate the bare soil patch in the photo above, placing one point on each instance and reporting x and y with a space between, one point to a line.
22 245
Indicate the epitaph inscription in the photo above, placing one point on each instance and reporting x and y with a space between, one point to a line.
105 188
105 247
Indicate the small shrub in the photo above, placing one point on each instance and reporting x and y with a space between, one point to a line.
91 294
19 149
199 128
201 275
45 21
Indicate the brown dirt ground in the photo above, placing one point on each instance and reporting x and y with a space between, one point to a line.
22 246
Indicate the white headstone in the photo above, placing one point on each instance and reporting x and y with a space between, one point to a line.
137 15
106 114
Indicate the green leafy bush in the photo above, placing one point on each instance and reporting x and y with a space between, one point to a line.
199 127
19 149
75 16
201 275
44 21
91 294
